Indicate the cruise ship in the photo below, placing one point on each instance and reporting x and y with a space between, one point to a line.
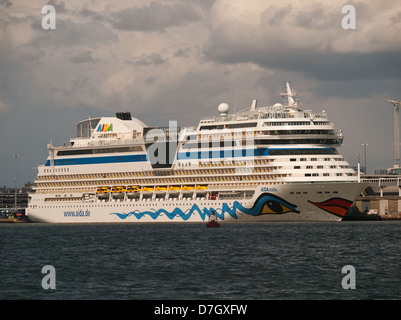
261 164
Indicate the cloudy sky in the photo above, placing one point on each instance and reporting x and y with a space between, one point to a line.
179 59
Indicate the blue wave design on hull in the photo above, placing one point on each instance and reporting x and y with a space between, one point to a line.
265 204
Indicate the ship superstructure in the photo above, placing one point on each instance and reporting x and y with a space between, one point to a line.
277 163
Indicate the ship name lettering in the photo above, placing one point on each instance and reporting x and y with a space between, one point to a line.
267 189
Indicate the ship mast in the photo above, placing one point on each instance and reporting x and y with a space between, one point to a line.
290 93
396 105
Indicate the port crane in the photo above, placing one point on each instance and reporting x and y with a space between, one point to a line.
396 105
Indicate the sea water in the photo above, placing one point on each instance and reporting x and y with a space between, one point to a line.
189 261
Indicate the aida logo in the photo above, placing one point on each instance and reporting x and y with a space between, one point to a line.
105 127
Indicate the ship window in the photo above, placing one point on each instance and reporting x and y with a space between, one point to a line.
291 132
302 151
85 128
230 126
210 144
298 141
100 150
242 125
213 127
294 123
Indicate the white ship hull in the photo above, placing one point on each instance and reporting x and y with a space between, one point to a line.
275 163
285 203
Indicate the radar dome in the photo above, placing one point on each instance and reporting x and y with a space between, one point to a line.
277 105
223 108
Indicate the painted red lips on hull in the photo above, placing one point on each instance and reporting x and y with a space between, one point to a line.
337 206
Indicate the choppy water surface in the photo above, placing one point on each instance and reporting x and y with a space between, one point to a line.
189 261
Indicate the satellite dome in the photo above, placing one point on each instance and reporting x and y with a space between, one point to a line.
223 108
277 105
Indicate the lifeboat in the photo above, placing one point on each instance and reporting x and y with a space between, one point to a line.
161 188
173 188
132 189
102 190
118 189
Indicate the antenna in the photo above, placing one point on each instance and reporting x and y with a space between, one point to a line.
396 105
235 102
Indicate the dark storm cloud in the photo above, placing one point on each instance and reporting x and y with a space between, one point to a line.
315 17
88 13
181 53
6 3
69 33
309 41
82 57
148 60
26 54
58 5
155 17
326 65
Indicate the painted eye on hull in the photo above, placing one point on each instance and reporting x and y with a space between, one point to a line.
276 205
